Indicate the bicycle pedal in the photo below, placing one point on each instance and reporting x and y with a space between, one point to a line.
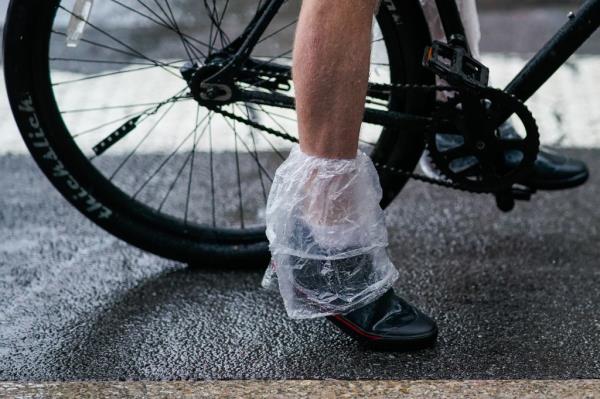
506 200
453 63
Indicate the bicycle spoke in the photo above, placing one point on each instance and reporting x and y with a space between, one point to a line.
239 178
259 170
159 22
275 150
282 55
165 23
132 152
172 23
99 61
103 75
165 161
219 31
170 99
178 31
79 110
96 28
270 56
223 36
180 172
248 149
278 31
100 45
211 29
189 38
212 176
216 31
283 129
190 175
164 13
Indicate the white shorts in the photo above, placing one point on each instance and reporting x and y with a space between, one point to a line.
470 18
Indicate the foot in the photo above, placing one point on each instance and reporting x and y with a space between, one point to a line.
388 323
349 279
352 289
551 171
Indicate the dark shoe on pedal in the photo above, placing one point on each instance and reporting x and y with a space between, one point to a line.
388 323
551 171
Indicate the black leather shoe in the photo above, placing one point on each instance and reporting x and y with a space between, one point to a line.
551 171
388 323
311 282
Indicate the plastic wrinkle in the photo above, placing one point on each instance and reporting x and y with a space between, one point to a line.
327 235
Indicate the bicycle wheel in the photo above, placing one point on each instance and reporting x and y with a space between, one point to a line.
109 120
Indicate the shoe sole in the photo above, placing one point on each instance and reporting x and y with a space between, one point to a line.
554 185
382 342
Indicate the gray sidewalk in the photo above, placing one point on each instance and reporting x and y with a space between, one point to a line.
522 389
516 296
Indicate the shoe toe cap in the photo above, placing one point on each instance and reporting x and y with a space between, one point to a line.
557 171
422 326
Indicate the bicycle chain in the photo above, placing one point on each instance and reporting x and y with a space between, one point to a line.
384 167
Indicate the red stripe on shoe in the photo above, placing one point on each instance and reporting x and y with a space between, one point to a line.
357 329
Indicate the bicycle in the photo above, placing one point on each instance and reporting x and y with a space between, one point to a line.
212 69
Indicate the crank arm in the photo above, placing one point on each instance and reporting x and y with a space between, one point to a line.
505 200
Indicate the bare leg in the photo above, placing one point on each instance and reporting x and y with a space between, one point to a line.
331 69
326 230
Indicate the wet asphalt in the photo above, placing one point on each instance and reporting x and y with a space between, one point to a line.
515 296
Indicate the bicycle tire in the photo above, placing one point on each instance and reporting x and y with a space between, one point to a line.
26 44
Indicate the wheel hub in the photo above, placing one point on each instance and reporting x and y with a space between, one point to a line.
218 91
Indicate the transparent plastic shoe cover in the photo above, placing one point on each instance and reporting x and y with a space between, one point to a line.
327 235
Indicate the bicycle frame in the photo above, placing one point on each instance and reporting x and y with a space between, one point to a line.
579 27
242 46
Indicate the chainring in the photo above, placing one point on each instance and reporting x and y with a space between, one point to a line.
482 159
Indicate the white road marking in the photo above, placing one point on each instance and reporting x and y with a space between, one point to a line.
567 108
